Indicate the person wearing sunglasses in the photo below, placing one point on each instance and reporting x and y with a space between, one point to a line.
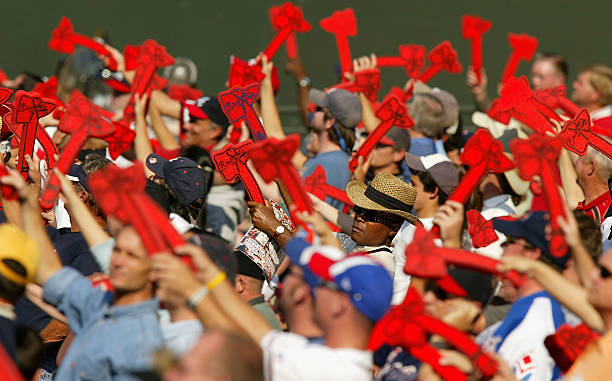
381 207
535 313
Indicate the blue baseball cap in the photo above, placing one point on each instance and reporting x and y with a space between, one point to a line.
182 174
531 227
367 282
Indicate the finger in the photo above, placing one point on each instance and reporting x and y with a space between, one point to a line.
373 60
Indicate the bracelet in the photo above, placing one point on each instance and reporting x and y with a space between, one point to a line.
216 281
304 82
198 295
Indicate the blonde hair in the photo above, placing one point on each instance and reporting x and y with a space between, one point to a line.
601 80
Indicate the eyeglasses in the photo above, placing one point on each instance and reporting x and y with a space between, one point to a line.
525 245
604 273
327 284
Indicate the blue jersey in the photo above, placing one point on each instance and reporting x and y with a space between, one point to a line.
335 164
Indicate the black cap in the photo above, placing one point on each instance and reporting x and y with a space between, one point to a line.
182 174
207 108
247 267
531 228
478 285
78 172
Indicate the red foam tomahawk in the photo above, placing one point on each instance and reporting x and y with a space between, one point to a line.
237 104
231 162
408 326
342 24
391 113
29 108
472 28
182 93
82 120
151 57
366 82
426 260
483 154
64 39
577 135
8 369
272 159
441 57
317 184
523 48
518 101
130 55
556 98
8 192
48 89
288 19
537 156
121 193
568 343
481 230
121 140
411 57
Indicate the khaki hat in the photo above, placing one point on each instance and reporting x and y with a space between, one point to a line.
385 193
17 246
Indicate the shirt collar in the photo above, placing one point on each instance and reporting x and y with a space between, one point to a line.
496 200
604 197
149 306
602 113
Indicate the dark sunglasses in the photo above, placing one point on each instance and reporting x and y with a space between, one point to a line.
604 272
510 240
369 215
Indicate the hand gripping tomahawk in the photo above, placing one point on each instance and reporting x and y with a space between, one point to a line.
231 162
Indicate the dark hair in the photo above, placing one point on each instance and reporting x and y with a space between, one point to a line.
557 60
30 352
347 134
10 291
430 185
94 162
590 234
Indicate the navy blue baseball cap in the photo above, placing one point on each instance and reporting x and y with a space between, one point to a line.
531 228
182 175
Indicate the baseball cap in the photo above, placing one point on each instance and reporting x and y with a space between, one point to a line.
343 105
182 174
77 174
206 108
398 137
17 246
438 166
531 227
366 282
477 285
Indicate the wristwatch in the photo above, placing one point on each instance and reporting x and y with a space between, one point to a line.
304 82
280 229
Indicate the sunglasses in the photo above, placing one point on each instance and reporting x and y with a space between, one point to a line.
369 215
604 272
327 284
510 240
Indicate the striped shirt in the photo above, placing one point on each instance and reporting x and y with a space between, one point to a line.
597 208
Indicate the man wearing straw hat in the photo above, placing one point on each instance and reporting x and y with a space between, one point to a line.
380 210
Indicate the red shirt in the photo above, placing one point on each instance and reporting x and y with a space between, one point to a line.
597 208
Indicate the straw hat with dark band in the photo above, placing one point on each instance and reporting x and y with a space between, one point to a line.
386 193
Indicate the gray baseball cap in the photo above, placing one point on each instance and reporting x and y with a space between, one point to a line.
438 166
343 105
397 137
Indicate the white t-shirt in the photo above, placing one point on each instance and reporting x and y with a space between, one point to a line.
290 357
401 280
180 336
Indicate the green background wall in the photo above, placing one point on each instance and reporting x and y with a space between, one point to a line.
209 31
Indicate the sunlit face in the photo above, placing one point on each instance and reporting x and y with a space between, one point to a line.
600 293
544 75
382 156
584 93
200 133
129 263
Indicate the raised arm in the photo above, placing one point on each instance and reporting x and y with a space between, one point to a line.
93 233
269 112
167 140
142 144
297 69
369 119
478 89
574 297
220 307
33 226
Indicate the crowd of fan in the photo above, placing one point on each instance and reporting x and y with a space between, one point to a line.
82 299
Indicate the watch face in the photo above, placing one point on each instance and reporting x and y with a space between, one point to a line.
280 229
